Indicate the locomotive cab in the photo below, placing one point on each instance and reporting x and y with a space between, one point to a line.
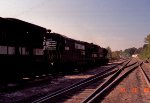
52 49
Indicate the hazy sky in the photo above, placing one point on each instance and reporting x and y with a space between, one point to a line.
119 24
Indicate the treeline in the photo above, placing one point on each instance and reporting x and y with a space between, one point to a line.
145 53
142 52
113 55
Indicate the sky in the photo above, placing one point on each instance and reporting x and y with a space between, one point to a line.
119 24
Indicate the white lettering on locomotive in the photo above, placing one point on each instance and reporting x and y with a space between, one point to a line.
51 44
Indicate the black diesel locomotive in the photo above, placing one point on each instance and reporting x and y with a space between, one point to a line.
63 52
27 50
21 49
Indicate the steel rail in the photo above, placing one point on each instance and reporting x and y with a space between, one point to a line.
102 90
145 75
78 85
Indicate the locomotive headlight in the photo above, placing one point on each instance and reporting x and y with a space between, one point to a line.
52 63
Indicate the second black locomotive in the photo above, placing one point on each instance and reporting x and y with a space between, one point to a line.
63 52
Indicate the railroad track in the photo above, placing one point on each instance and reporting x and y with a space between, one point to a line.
62 95
108 85
146 72
29 82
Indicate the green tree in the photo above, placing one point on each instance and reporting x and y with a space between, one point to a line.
146 48
109 55
130 51
147 41
116 54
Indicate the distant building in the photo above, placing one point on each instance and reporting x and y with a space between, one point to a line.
135 55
